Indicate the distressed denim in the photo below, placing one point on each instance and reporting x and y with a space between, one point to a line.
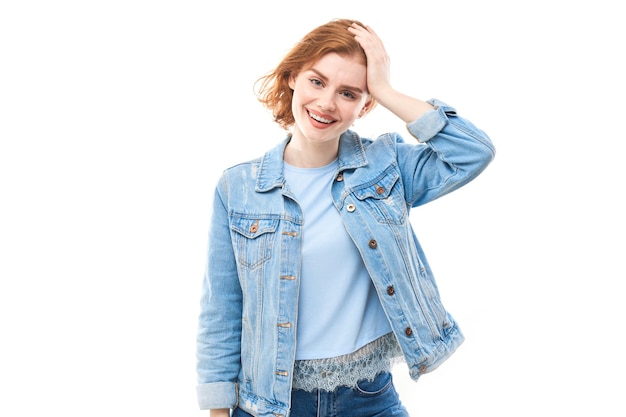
247 324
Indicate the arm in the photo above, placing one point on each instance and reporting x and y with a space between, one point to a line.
219 327
456 150
221 412
455 153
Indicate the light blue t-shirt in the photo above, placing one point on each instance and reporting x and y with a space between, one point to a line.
338 308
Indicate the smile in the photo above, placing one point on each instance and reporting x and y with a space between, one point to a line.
319 118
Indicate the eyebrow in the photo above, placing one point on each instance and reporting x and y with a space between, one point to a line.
348 87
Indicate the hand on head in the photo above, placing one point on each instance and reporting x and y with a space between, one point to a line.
378 63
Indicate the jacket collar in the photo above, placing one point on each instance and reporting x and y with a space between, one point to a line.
270 174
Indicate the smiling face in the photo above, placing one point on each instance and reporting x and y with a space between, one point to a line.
327 98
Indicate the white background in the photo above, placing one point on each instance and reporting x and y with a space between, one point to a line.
116 117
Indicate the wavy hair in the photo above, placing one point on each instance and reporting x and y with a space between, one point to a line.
273 89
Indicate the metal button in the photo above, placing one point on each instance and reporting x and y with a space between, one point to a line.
254 227
340 176
391 290
408 331
350 207
373 244
379 190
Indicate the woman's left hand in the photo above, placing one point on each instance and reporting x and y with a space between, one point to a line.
378 63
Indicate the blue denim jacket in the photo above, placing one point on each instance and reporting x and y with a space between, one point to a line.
247 325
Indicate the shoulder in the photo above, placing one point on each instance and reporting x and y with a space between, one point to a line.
386 143
242 174
242 167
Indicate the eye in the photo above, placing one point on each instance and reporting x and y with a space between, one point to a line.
315 82
348 94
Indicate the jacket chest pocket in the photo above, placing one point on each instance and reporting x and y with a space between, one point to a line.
385 199
253 240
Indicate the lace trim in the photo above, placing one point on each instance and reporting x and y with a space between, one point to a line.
346 370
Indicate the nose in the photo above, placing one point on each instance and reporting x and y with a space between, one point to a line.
326 100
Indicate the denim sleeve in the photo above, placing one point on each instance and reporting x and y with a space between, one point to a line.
217 395
219 324
430 123
452 153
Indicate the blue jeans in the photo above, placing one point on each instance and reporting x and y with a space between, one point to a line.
369 398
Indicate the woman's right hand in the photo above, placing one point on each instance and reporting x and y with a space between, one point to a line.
220 412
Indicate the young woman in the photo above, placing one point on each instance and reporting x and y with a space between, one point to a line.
315 282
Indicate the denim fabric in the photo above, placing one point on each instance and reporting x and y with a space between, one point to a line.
370 398
247 325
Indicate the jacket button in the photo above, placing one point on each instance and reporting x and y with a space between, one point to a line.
380 190
391 290
340 176
422 369
408 331
373 244
350 207
254 228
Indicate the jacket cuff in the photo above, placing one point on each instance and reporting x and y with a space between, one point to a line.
217 395
432 122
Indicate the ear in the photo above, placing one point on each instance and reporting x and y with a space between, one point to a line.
369 104
292 82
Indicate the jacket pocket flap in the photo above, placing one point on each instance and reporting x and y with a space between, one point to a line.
380 189
253 228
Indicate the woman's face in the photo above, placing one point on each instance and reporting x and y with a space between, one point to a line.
328 97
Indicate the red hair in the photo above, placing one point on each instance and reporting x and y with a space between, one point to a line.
274 91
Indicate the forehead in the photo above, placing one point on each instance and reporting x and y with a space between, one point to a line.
333 58
341 67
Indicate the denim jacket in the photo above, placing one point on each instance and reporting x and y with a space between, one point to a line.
247 326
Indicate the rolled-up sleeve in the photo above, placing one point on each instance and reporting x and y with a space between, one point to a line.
217 395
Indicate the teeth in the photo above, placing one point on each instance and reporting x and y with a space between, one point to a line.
319 119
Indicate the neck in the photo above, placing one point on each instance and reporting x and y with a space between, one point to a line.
310 155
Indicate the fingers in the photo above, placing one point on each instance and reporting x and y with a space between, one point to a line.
356 28
361 33
378 67
368 39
